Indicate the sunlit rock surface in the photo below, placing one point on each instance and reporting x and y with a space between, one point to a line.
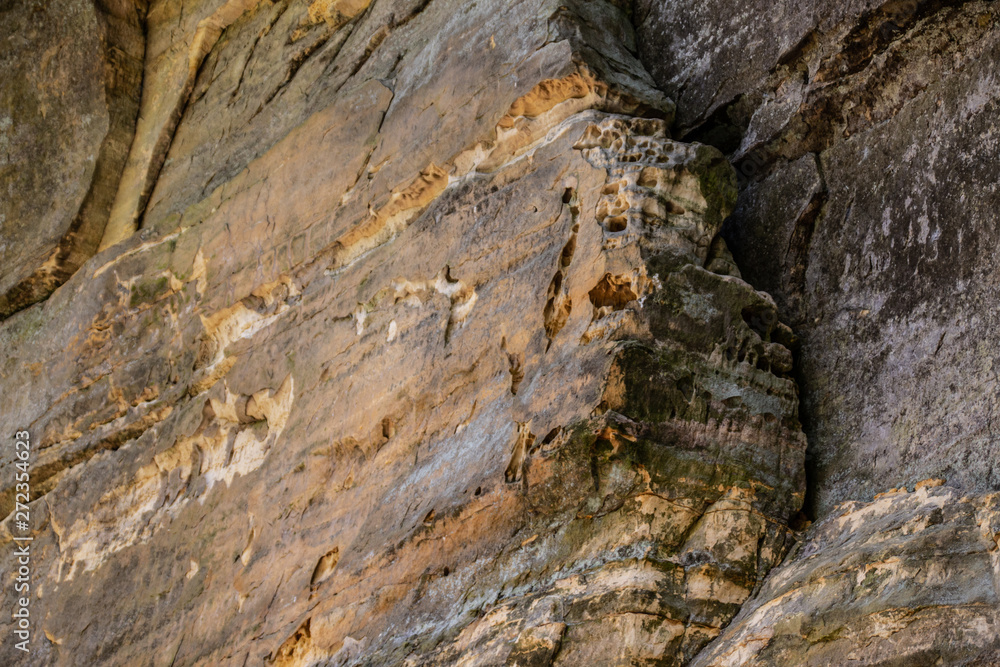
403 350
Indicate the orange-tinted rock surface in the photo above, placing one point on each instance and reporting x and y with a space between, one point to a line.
403 367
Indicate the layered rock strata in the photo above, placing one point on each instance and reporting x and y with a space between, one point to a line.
402 368
908 579
407 332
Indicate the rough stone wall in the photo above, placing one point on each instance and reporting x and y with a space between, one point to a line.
908 579
68 107
407 332
866 137
363 372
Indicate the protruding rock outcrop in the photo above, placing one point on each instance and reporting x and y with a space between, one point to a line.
414 338
72 76
403 368
865 136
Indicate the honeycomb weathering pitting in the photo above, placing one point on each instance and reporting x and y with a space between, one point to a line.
427 366
648 192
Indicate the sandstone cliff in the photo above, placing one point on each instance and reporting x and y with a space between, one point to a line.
407 332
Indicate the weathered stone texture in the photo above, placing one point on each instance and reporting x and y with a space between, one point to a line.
407 332
403 367
866 137
72 72
909 579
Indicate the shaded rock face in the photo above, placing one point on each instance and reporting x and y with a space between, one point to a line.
384 366
865 136
68 105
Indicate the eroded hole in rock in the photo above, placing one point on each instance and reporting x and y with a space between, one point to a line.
649 177
613 292
733 402
295 650
613 207
761 319
605 446
685 386
516 371
673 208
324 567
522 445
552 435
618 223
388 428
515 366
566 256
559 305
724 129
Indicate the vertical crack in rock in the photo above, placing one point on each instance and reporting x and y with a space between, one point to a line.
860 134
522 444
155 130
559 305
863 137
640 561
275 427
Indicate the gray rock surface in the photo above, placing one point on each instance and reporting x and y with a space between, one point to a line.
866 137
72 72
909 579
406 332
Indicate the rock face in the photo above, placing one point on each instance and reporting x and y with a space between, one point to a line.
866 137
68 105
909 579
407 332
403 368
